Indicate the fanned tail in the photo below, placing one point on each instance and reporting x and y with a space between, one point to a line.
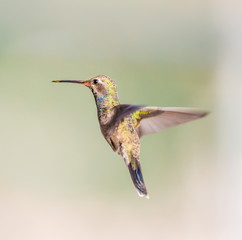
137 178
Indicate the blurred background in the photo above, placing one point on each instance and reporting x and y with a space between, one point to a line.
59 179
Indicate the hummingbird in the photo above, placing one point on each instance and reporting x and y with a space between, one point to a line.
122 125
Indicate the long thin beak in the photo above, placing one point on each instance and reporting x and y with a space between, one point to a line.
86 83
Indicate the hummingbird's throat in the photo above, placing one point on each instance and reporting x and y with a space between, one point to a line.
100 99
106 102
102 103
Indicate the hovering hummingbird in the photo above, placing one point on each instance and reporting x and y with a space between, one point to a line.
123 125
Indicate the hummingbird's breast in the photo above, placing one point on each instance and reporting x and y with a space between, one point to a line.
125 139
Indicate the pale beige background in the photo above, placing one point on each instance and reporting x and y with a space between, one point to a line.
58 177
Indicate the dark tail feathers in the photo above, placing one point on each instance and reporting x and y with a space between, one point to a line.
136 175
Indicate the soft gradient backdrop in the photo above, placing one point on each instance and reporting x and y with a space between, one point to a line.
59 179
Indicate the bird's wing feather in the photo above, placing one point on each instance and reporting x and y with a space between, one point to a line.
120 112
149 120
123 110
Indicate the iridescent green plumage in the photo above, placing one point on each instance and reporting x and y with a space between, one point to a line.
123 125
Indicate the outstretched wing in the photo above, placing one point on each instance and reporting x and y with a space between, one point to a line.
154 119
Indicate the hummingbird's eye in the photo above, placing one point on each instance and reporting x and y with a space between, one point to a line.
95 81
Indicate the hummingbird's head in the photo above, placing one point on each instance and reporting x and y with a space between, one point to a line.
102 86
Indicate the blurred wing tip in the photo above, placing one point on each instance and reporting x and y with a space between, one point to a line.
202 114
205 113
192 111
